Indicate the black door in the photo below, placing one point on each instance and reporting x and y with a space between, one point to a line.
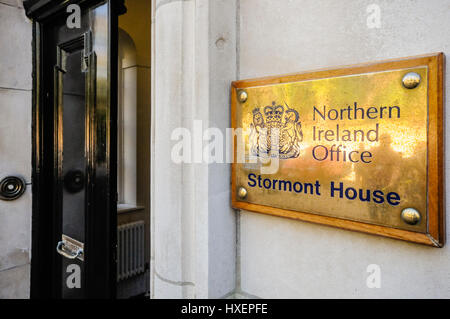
74 158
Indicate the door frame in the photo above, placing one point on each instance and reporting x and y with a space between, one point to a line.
101 277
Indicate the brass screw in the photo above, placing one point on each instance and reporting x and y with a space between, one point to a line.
411 80
242 96
242 192
411 216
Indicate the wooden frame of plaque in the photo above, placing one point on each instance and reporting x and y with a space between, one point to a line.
431 231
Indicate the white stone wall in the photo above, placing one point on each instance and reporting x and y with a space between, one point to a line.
15 147
192 224
282 258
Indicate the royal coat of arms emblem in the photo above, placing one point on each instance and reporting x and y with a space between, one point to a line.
277 133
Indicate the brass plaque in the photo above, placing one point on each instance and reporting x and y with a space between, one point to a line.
350 145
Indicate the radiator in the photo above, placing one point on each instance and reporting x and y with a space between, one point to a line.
130 250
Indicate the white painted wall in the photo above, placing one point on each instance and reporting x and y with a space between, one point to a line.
282 258
15 147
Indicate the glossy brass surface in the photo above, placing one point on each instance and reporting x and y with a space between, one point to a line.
242 96
242 192
352 147
411 216
411 80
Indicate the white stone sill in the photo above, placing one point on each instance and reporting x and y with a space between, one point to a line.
127 208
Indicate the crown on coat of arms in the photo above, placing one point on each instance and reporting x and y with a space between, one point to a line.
274 114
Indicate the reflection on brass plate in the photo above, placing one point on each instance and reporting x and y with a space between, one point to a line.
352 147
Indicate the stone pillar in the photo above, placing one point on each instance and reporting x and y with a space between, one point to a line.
192 224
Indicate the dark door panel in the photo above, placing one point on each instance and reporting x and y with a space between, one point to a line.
74 156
